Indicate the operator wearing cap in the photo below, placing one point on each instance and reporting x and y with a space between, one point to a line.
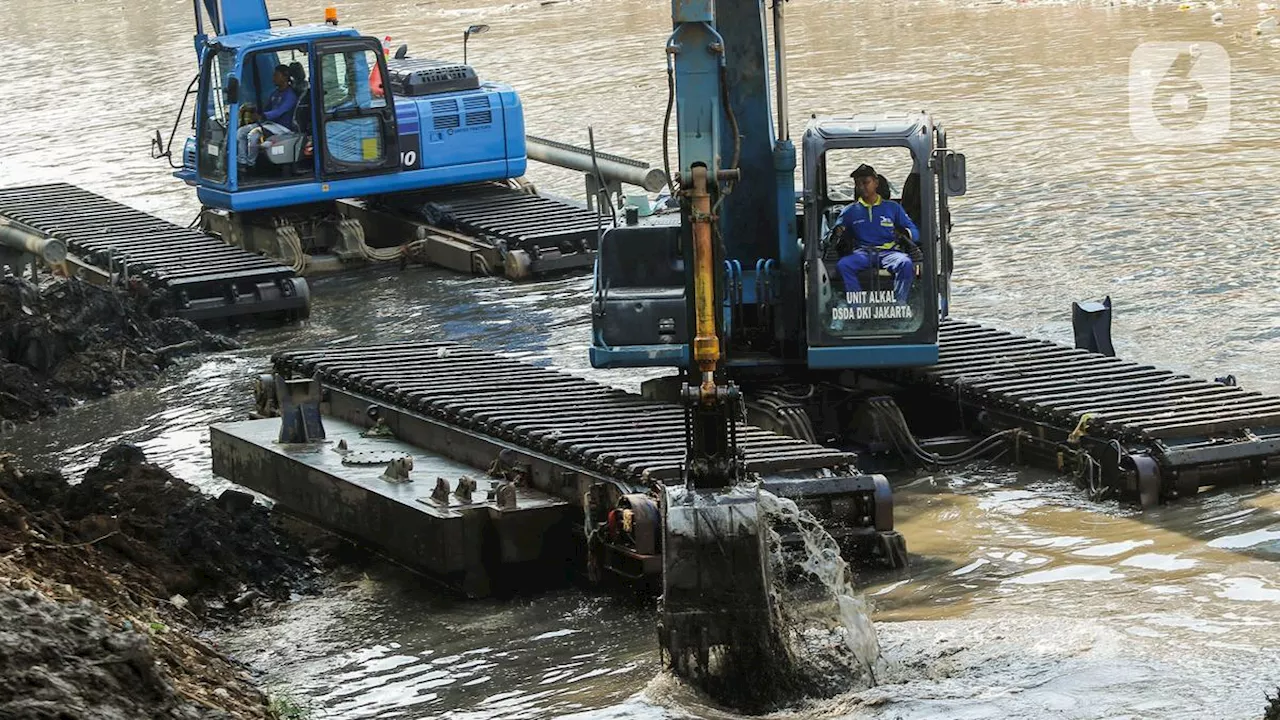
874 223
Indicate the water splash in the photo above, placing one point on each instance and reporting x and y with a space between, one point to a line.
850 630
773 641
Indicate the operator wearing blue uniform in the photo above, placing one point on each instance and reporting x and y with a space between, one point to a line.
276 119
874 223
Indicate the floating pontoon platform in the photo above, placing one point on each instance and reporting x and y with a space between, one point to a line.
572 451
567 463
481 228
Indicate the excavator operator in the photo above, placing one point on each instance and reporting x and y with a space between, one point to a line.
879 227
276 119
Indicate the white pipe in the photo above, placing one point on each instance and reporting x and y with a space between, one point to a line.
568 156
24 239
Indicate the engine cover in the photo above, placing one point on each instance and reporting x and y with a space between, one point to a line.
414 77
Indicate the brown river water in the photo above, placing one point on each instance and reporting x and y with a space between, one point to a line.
1023 600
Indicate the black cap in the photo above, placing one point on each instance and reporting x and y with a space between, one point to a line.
863 170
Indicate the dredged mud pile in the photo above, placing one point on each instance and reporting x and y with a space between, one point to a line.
104 585
69 340
68 660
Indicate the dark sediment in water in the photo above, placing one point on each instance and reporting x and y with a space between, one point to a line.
69 340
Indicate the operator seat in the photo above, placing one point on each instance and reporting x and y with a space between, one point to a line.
301 88
911 197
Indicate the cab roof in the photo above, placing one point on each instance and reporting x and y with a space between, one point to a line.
280 35
872 124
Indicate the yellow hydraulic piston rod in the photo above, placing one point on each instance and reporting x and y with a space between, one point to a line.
706 342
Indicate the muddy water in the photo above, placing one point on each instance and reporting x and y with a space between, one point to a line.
1023 600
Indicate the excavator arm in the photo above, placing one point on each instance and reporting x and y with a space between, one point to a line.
227 17
717 621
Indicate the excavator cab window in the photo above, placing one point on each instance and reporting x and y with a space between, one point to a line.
874 256
357 122
214 117
277 148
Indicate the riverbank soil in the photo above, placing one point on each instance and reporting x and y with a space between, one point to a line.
67 340
105 585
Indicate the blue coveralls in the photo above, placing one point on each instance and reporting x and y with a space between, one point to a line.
872 228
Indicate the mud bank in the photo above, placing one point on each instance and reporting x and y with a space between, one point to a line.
105 586
67 341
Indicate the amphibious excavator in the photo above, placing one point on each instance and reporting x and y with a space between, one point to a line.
740 296
362 157
771 302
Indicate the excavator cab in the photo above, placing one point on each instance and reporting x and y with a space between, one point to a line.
338 126
360 125
861 320
879 305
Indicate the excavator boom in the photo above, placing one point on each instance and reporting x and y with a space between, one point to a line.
227 17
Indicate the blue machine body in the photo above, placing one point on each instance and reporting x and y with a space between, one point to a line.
364 125
781 297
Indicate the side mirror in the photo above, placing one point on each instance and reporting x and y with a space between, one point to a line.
402 52
953 176
232 91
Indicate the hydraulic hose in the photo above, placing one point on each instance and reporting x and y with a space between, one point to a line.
733 120
601 194
907 444
666 127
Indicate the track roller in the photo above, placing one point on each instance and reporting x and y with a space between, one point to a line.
517 265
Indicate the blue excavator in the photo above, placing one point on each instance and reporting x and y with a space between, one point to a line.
749 298
312 145
749 292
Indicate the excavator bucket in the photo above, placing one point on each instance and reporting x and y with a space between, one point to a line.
728 557
718 624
